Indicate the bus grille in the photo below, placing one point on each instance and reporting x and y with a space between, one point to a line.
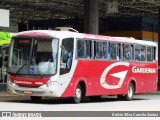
29 86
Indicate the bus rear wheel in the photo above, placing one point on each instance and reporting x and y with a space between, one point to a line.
130 92
36 98
129 95
78 95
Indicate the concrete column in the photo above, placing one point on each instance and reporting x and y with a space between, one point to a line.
158 48
91 16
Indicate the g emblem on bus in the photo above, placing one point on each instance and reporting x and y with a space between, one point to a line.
121 75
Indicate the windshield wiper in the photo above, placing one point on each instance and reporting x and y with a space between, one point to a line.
41 75
20 68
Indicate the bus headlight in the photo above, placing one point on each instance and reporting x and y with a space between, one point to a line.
12 84
50 83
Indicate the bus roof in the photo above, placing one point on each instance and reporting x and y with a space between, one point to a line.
66 34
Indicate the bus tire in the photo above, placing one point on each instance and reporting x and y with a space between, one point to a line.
129 95
130 92
36 98
78 95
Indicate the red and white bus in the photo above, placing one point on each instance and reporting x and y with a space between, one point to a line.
75 65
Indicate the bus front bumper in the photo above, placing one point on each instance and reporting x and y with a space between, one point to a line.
48 91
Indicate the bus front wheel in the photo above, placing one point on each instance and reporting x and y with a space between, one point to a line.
78 95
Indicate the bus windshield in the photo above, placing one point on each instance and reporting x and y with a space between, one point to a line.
33 56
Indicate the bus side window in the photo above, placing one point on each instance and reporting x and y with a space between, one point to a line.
143 53
105 50
151 54
114 51
99 50
84 49
87 49
80 48
137 53
127 52
66 55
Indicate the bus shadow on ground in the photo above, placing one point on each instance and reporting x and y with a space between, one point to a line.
68 101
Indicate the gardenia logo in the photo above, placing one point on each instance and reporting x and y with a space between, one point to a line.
22 82
118 74
143 70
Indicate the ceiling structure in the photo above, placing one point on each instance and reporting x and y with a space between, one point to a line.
24 10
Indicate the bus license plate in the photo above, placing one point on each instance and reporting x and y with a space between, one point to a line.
27 92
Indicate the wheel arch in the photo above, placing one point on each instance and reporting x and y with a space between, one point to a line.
83 83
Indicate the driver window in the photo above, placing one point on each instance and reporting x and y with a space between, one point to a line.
66 55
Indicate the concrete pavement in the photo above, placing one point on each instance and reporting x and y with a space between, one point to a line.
5 93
